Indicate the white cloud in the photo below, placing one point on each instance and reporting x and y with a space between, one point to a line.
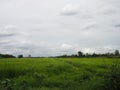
70 9
66 46
10 27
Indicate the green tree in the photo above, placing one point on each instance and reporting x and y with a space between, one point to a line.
20 56
116 53
80 54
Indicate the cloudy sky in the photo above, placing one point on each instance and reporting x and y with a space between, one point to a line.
56 27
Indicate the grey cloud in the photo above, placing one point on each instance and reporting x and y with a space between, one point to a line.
69 13
3 43
89 26
109 11
117 25
7 35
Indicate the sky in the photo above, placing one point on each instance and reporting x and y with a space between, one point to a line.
58 27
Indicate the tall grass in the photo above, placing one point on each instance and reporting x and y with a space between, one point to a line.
112 77
59 74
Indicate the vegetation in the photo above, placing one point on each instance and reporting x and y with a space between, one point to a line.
81 54
60 74
20 56
6 56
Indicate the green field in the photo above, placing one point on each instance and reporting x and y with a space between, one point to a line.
59 74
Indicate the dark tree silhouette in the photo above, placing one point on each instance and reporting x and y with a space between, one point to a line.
116 53
29 56
6 56
20 56
80 54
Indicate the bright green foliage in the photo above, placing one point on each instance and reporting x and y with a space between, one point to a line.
56 73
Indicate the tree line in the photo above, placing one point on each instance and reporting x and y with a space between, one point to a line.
6 56
81 54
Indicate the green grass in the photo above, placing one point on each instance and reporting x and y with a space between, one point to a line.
57 73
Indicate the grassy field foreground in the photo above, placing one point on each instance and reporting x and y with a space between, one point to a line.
60 74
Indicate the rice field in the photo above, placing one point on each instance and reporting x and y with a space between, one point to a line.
59 74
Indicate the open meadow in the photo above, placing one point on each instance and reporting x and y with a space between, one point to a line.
60 74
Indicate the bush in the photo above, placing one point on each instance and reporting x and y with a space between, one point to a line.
113 76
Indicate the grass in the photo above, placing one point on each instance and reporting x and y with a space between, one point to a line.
59 74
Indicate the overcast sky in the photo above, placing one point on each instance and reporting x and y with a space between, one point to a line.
56 27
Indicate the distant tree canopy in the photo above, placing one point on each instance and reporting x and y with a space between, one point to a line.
20 56
29 56
81 54
6 56
116 53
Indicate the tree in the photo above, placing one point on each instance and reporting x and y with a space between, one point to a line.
94 55
20 56
29 56
6 56
116 53
80 54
